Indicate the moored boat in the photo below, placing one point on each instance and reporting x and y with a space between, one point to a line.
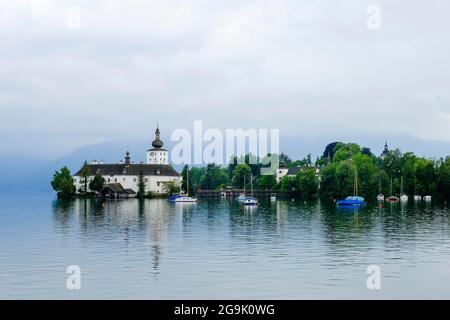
392 199
351 201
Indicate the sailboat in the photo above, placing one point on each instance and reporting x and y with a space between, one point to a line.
251 201
242 196
392 198
417 197
181 198
352 200
403 197
380 197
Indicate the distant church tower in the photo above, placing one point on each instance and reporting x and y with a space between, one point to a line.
385 151
157 155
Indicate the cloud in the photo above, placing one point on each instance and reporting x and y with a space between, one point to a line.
308 68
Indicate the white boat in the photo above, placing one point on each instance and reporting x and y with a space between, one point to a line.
250 201
184 199
380 196
417 198
242 196
403 196
427 198
392 198
273 197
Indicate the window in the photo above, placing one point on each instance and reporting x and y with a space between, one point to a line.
115 179
124 179
152 153
158 184
146 180
109 180
134 180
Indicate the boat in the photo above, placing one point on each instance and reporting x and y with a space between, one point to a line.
380 196
417 197
273 197
242 196
352 200
250 201
392 198
403 196
183 198
427 198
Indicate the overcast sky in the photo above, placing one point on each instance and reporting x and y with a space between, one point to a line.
305 67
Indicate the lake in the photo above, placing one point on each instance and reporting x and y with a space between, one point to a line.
218 249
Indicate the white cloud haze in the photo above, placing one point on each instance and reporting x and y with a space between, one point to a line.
305 67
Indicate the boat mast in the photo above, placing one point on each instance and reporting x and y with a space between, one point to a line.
379 183
391 185
187 182
401 186
251 183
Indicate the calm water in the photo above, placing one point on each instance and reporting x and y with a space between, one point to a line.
219 249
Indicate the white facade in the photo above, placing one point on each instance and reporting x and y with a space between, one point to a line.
157 156
154 184
281 172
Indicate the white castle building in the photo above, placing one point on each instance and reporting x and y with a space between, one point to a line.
123 177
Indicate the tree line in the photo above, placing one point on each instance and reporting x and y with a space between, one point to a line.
339 165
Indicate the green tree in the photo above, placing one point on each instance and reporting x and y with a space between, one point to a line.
84 174
240 174
443 180
308 183
196 175
344 150
426 176
214 177
141 185
266 182
62 183
367 175
328 182
184 181
289 184
97 183
408 174
345 177
171 188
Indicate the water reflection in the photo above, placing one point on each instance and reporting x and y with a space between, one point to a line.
188 243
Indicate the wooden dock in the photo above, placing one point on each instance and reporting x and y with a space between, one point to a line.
236 192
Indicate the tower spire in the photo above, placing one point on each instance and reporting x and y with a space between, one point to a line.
157 143
127 157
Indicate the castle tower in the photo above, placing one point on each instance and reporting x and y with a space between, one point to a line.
157 155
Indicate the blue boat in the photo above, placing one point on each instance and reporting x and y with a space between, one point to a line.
351 201
173 198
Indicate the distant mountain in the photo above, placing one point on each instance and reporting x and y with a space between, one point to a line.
20 173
